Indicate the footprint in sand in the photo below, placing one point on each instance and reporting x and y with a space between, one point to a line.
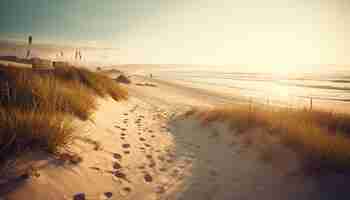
147 145
122 138
125 114
142 139
163 169
125 191
152 164
123 129
123 134
79 196
148 178
108 195
149 156
141 167
117 156
126 152
120 175
95 168
153 136
116 165
126 146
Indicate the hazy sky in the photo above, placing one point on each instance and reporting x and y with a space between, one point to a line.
253 32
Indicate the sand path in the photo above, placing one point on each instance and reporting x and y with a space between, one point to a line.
127 152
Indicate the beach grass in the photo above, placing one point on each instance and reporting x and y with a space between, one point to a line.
37 107
321 138
98 82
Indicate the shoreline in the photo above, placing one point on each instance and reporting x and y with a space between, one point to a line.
234 96
221 98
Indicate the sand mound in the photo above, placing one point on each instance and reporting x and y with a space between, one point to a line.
123 79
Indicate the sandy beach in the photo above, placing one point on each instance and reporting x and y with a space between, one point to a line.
143 149
175 100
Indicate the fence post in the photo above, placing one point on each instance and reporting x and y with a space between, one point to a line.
311 104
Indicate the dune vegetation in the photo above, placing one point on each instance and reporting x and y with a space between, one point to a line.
37 106
320 138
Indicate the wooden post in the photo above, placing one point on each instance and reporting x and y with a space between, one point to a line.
311 103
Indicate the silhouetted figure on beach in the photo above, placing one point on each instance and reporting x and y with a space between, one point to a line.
30 41
80 56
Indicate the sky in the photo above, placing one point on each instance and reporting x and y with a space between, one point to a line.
249 32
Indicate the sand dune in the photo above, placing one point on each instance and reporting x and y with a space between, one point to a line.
143 149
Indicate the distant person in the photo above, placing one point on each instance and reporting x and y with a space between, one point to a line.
80 56
30 41
151 75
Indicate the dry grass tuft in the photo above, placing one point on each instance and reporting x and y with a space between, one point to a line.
322 138
22 130
36 107
98 82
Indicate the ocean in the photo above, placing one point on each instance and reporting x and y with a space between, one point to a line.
323 84
332 84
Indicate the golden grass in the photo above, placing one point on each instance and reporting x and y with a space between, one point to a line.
37 111
322 138
98 82
23 130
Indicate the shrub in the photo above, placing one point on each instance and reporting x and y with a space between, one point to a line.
322 138
22 129
37 109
